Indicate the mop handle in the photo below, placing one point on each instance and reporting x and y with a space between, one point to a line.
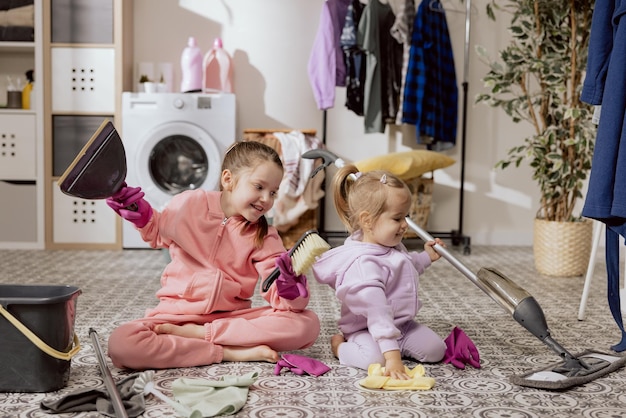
116 400
442 251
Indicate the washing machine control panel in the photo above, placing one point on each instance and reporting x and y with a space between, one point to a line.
201 103
204 102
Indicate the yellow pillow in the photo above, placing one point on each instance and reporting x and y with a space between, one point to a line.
408 164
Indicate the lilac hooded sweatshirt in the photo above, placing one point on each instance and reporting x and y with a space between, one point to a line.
377 287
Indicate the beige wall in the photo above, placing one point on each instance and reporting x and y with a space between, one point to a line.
270 42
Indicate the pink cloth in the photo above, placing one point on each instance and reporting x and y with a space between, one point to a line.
214 270
300 365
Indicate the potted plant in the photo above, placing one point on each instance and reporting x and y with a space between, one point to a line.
538 80
148 85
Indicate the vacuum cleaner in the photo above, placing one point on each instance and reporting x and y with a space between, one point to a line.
572 370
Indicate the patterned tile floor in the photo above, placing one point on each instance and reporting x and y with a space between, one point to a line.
119 285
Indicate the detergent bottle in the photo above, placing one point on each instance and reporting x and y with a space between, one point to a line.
191 67
217 72
27 92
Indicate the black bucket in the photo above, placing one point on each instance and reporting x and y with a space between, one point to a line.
38 338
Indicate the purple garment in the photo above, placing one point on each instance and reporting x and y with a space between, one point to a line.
377 287
326 68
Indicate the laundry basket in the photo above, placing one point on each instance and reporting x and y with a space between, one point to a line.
421 200
309 219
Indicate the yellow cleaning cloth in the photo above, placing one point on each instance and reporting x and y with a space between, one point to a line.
376 380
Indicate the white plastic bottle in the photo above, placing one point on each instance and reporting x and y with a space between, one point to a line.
191 67
217 73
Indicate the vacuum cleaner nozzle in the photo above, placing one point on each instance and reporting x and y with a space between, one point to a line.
99 169
572 370
580 369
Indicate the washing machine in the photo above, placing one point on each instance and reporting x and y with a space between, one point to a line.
174 142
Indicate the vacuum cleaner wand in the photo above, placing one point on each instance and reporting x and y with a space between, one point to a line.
506 293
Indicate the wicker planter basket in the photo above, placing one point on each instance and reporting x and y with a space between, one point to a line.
562 248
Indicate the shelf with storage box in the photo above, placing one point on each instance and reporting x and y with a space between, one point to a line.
87 61
21 129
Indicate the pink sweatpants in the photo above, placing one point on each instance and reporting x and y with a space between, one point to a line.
135 345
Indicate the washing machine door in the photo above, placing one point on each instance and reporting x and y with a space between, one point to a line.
175 157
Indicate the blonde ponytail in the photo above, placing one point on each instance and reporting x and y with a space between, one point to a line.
355 192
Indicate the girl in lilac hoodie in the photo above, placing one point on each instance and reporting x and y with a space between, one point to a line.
376 278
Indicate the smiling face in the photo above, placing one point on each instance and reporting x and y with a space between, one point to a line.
389 227
251 193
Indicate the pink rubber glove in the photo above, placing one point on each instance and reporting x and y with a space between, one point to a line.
288 284
301 365
461 350
122 200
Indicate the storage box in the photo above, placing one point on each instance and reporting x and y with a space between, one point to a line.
38 339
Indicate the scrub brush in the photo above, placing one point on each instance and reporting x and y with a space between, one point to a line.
302 255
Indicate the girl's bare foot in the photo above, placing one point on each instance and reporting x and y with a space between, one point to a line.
187 330
258 353
335 341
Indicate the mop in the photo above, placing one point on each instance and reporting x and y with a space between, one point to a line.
572 370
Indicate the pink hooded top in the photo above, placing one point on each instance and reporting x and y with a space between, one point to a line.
215 265
377 287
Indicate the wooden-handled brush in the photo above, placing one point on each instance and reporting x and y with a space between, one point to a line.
302 255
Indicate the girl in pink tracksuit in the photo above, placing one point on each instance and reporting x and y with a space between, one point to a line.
376 278
220 246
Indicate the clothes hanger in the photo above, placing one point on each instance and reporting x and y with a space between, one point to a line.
443 6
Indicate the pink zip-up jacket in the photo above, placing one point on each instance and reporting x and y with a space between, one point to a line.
377 287
215 265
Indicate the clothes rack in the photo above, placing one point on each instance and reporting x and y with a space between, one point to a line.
456 235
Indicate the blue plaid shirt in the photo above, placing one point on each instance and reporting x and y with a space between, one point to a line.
430 93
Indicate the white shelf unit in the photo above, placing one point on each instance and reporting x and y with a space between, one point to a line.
22 212
86 55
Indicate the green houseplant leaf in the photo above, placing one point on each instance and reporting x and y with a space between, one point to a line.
537 79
